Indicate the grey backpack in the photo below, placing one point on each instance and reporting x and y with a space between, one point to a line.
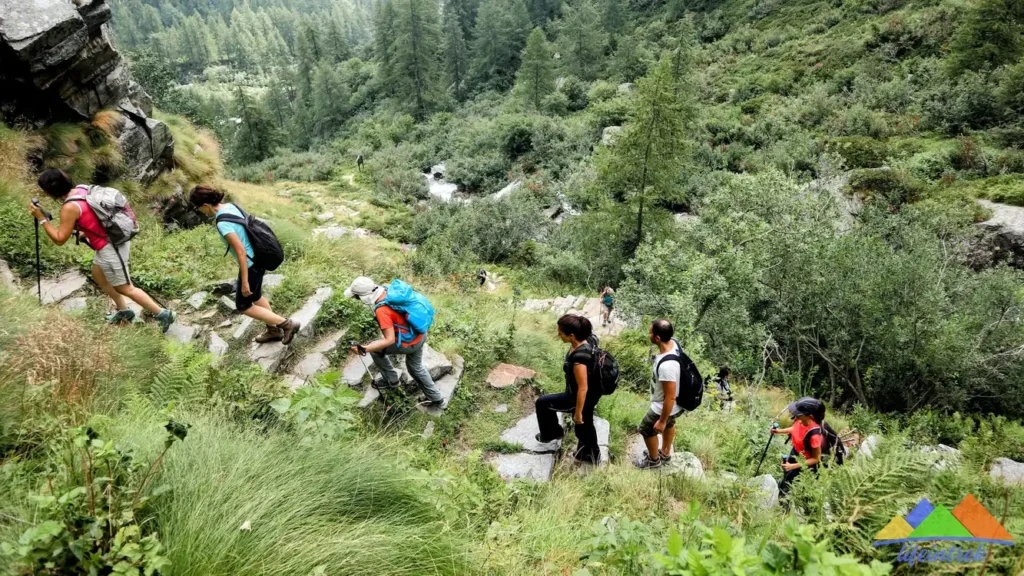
112 210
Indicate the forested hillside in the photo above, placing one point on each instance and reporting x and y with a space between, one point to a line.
825 197
897 113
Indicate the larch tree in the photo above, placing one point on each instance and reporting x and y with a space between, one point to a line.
644 164
536 77
415 48
454 51
257 137
581 39
499 38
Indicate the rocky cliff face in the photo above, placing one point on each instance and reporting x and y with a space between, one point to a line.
58 63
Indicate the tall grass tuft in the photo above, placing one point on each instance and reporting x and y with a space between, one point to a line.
340 508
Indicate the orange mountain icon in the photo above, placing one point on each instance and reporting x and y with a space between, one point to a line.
978 521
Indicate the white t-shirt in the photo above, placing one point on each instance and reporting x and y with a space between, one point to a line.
669 372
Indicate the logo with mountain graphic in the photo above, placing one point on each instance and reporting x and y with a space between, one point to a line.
969 523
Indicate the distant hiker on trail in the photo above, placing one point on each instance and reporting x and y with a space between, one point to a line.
607 304
661 416
399 333
108 231
257 251
808 440
580 397
721 383
359 162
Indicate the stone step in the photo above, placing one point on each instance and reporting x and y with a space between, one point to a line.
446 376
685 463
270 355
58 289
524 466
7 278
315 362
525 431
218 347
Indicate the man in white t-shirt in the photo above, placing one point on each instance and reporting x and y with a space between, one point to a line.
661 417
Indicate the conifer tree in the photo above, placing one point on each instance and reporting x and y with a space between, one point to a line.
644 164
502 27
455 53
581 40
543 10
257 137
412 68
614 17
536 77
278 102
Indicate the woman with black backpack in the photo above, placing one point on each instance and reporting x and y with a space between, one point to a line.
234 228
580 397
807 438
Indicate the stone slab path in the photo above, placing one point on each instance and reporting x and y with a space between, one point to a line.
446 375
269 356
590 308
58 289
537 460
314 362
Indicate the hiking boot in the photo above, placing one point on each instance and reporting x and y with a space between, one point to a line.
436 404
165 318
271 334
289 329
381 384
122 317
665 458
543 441
648 464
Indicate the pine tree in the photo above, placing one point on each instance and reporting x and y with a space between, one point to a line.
502 27
455 53
257 137
992 35
581 40
644 164
536 77
465 11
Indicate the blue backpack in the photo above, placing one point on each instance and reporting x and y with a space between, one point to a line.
402 298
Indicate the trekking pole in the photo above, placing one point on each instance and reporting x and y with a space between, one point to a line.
764 454
39 273
775 426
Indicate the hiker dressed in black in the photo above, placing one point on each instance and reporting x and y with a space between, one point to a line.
579 398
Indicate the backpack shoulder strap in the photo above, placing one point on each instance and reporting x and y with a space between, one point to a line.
816 431
231 218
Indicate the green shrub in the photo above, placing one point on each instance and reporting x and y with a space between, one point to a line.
92 519
339 312
859 151
601 91
889 186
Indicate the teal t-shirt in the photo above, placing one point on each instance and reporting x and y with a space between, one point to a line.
226 228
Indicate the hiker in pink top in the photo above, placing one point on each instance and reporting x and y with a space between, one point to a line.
110 264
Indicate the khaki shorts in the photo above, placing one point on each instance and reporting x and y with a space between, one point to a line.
112 267
646 428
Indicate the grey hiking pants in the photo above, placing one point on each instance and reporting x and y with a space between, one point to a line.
413 362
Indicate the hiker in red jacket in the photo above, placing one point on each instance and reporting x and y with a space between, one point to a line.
110 264
808 439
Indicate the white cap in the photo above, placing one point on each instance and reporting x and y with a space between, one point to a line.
361 287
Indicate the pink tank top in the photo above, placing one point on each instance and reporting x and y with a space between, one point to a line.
88 223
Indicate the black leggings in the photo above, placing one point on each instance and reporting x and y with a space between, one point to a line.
548 407
787 479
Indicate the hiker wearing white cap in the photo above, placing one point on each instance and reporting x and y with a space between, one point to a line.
400 335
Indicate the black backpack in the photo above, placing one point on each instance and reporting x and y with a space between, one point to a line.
831 443
691 386
267 252
604 369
